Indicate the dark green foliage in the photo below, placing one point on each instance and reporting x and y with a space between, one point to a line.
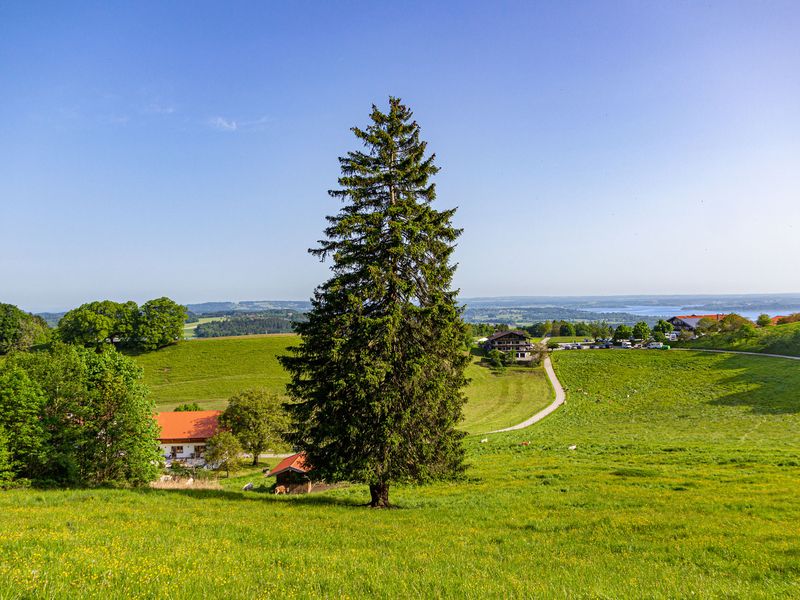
160 323
593 329
379 372
156 324
496 359
94 323
567 329
248 324
93 422
20 330
663 326
21 406
6 469
257 419
658 336
187 407
764 320
622 332
641 331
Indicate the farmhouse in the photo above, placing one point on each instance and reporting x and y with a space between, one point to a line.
510 341
291 475
184 435
689 322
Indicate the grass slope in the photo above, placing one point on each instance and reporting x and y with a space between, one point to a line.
497 400
684 483
778 339
209 371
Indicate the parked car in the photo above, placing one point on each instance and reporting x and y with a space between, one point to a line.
655 345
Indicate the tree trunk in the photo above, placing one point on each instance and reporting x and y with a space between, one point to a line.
379 495
255 459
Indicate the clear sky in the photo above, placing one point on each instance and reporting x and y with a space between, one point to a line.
185 149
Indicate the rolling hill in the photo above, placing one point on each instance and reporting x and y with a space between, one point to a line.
682 483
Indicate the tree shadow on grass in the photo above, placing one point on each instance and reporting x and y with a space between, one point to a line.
292 499
772 390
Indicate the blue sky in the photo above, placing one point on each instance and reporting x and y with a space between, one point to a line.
185 149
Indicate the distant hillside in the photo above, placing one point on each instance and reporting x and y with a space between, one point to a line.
205 308
778 339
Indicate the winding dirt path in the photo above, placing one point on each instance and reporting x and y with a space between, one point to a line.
559 400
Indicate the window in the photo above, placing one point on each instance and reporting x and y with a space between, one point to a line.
175 450
199 450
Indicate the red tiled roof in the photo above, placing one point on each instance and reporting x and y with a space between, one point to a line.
188 425
295 462
774 320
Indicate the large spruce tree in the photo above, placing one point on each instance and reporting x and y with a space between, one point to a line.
378 375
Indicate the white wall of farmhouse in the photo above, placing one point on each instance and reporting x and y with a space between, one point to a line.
183 450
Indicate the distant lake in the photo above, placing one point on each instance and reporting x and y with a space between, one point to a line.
671 310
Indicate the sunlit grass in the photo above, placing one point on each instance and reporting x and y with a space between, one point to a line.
209 371
683 483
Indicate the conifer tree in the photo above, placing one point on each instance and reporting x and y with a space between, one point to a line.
378 376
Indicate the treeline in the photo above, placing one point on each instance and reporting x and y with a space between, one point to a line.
247 324
153 325
593 329
20 330
71 416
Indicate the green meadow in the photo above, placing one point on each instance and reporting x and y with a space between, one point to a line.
189 328
684 481
210 371
777 339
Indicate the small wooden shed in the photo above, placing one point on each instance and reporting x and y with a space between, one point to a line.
291 475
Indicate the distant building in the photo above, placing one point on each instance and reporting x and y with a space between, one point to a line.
510 341
184 435
774 320
689 322
291 475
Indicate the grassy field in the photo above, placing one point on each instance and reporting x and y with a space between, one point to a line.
210 371
779 339
684 483
189 328
497 400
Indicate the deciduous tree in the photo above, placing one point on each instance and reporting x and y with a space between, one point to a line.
160 323
378 375
257 419
21 406
622 332
223 452
20 330
641 331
